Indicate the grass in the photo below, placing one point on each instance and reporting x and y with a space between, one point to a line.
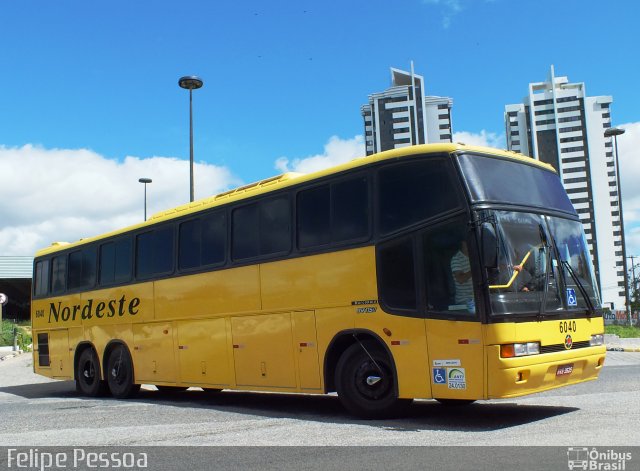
622 331
24 335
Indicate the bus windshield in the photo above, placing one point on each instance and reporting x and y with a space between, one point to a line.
543 265
495 180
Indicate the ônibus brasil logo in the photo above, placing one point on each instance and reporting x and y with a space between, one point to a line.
594 459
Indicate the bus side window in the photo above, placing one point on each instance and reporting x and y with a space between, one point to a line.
415 191
262 228
189 244
350 209
59 274
333 214
154 252
202 241
275 226
115 262
214 238
314 217
245 237
82 268
42 278
396 275
449 285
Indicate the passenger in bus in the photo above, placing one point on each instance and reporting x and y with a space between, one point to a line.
461 269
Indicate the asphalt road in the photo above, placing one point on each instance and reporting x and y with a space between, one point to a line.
35 411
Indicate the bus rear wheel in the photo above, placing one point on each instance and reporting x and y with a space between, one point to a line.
120 373
88 382
365 381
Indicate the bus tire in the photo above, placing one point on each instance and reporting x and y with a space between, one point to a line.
87 374
120 373
363 389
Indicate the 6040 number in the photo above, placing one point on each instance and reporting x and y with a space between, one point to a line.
567 326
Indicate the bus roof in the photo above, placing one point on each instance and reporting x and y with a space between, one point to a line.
288 179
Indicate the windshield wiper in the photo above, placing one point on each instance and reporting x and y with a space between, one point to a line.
580 286
567 265
545 290
547 254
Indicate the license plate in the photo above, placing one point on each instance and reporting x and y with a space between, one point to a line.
564 370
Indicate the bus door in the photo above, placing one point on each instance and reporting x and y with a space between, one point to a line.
263 350
154 352
306 346
456 359
203 353
454 332
61 362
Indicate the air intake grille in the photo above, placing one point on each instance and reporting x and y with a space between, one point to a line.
561 348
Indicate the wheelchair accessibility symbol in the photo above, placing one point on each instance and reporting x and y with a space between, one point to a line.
572 300
439 376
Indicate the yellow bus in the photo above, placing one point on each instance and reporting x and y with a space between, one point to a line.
442 271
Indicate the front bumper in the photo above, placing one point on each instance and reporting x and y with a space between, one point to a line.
512 377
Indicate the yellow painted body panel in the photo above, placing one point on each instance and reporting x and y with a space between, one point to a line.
333 279
208 294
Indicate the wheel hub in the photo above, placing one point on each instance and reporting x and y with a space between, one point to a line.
371 380
88 372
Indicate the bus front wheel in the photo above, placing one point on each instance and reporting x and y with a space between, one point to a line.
88 381
120 373
365 381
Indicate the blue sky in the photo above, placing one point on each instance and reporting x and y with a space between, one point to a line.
284 81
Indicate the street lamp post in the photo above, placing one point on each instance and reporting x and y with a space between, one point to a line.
615 132
190 82
145 181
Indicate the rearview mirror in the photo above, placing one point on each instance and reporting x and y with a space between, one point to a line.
489 241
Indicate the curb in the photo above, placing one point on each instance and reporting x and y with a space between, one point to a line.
623 349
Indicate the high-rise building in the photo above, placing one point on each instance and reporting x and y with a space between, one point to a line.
403 116
559 124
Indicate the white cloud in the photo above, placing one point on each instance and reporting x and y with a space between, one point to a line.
449 7
629 149
50 195
484 138
336 151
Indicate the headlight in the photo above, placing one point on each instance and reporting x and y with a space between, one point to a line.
519 349
596 340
